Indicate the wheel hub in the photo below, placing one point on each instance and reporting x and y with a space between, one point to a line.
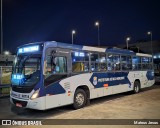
79 99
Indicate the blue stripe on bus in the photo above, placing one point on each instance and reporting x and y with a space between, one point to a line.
112 79
42 89
55 88
150 75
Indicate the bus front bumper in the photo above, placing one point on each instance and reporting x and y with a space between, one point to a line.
38 103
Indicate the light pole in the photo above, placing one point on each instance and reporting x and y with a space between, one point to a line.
127 39
138 49
150 33
97 24
73 32
1 30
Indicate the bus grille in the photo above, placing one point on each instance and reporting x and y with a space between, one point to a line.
22 90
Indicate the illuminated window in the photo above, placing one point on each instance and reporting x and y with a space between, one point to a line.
136 63
80 61
126 62
113 62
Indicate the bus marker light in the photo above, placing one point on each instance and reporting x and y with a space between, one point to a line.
49 94
105 85
69 93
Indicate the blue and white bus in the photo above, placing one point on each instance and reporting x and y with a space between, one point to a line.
52 74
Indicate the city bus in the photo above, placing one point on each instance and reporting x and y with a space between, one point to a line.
52 74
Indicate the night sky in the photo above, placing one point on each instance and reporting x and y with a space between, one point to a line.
26 21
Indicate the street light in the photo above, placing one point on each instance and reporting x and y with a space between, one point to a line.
97 25
73 32
150 33
6 52
127 39
1 30
138 49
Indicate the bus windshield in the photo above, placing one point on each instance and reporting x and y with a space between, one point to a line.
26 70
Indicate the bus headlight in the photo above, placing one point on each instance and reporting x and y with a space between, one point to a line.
35 94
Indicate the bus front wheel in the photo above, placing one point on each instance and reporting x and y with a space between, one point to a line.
136 88
80 99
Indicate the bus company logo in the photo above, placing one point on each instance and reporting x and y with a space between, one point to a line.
95 80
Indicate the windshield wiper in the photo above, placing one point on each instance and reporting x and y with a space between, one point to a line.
22 63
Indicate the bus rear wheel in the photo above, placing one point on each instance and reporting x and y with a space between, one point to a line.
136 88
80 98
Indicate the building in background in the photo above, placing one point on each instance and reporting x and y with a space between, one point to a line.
6 60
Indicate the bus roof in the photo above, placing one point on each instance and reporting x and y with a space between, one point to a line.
86 48
144 55
89 48
28 44
120 51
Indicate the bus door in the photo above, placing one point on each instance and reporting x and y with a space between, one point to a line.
57 70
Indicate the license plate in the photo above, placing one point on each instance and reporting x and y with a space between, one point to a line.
18 105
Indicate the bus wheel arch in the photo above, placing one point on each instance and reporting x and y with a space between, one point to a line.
83 93
137 86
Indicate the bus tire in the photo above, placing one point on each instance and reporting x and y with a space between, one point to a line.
80 99
136 88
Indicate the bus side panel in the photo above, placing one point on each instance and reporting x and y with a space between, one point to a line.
145 77
53 101
70 84
120 88
110 83
97 92
99 84
123 84
149 78
54 95
108 90
132 76
38 103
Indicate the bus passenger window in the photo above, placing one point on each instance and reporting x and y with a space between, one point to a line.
126 62
146 63
80 61
103 62
136 63
60 65
95 65
113 62
150 63
54 65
